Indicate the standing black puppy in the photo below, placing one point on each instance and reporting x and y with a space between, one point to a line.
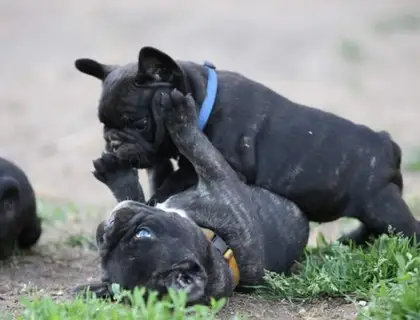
19 223
329 166
250 229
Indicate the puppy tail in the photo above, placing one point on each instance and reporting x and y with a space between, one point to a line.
395 155
398 179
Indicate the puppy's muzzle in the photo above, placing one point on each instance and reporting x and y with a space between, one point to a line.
186 275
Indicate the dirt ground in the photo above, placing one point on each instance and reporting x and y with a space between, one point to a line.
359 59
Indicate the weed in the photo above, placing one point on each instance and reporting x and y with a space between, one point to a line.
81 240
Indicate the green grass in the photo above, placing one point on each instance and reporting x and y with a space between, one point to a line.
54 214
173 307
398 299
385 274
76 226
81 240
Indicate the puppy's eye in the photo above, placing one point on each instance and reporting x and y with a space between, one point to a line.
144 233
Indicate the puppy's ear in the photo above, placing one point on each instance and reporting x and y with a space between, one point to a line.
157 63
93 68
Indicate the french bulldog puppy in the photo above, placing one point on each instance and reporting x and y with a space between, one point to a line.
19 224
329 166
208 240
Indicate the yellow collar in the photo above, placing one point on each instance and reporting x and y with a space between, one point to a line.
227 252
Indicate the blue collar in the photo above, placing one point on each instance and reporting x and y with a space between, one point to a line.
210 98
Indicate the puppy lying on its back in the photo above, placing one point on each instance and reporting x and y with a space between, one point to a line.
19 223
167 246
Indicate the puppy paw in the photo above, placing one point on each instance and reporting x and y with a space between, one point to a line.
108 168
178 110
119 176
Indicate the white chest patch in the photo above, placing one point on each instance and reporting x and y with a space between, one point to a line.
164 206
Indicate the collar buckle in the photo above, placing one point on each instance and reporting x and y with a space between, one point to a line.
227 253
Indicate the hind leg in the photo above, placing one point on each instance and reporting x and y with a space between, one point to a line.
387 209
358 236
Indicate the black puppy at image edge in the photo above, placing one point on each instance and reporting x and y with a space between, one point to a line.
19 224
167 246
329 166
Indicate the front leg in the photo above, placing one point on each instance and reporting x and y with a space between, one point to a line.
182 179
158 173
121 179
180 117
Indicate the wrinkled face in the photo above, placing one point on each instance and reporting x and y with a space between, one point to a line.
133 128
146 247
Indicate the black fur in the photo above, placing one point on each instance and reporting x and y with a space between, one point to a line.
19 223
264 230
329 166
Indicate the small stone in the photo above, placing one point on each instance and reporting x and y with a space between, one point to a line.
362 303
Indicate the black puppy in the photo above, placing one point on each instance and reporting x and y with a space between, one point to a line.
19 223
330 167
250 229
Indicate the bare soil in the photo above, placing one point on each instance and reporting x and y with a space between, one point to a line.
359 59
